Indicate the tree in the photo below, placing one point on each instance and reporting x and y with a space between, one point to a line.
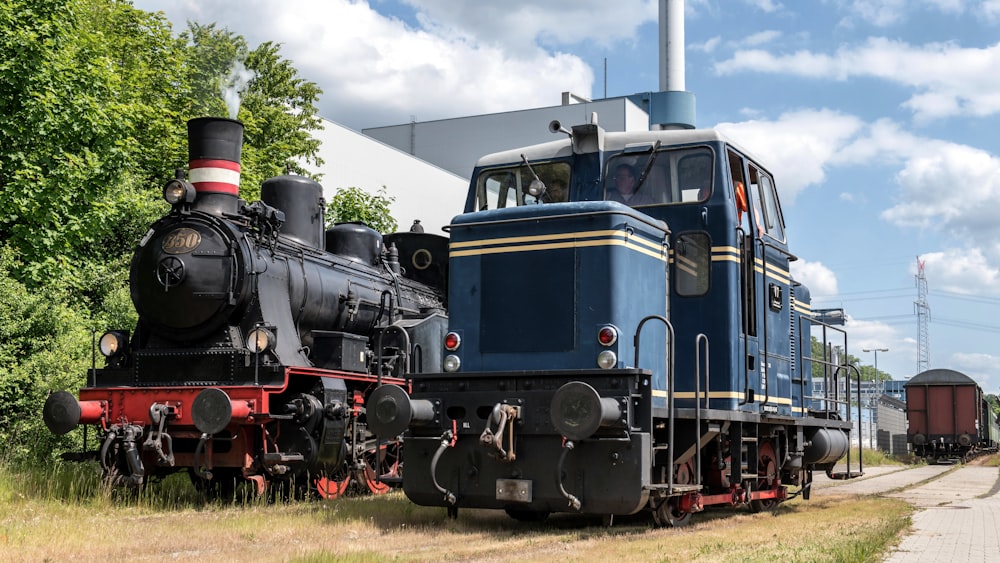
96 96
868 373
85 89
354 204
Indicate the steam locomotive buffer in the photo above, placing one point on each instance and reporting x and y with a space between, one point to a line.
260 335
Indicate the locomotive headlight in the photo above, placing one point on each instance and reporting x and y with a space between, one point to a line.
177 191
607 359
452 363
113 342
260 340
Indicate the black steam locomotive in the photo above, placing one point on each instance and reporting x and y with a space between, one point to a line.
260 335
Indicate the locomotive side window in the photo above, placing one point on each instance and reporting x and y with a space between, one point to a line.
511 186
764 192
692 264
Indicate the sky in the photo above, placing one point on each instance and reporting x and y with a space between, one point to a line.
878 118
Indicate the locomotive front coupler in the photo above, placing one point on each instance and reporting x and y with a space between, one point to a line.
158 439
125 437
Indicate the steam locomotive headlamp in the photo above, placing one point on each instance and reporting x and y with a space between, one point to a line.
260 340
578 410
178 191
452 363
113 343
452 341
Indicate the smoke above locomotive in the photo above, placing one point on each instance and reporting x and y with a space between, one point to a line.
260 334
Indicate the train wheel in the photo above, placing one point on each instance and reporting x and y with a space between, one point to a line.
381 463
669 515
767 478
334 486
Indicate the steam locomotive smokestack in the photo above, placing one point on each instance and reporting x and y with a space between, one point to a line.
214 147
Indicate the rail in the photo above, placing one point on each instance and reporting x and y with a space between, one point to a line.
830 401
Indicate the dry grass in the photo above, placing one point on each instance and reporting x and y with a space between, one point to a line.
95 527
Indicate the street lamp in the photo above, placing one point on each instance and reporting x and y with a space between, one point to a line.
878 388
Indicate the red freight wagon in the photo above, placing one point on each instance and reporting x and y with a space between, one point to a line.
943 413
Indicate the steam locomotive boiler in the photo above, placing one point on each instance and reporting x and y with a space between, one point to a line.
259 336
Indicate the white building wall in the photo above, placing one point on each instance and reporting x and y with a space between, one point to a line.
421 190
456 144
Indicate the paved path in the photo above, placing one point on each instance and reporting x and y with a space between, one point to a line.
958 509
960 520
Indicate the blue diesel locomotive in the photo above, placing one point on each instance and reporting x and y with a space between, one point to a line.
624 334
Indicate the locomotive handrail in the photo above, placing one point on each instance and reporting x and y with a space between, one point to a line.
701 338
670 390
406 350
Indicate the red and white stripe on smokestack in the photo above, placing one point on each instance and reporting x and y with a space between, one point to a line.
215 176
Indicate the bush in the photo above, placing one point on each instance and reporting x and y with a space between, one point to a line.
44 346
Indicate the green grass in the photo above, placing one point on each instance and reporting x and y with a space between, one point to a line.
52 513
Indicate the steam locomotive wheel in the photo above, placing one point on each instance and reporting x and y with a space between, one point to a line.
333 486
767 477
670 515
381 463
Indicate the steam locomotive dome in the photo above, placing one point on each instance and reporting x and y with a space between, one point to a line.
186 277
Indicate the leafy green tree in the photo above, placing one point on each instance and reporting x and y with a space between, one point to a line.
868 372
354 204
276 106
96 95
43 347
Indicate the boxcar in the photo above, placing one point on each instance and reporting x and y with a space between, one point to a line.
945 415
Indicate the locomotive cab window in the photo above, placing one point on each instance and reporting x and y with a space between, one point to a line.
522 184
692 264
636 177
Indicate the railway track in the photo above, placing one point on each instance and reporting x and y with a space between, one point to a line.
922 486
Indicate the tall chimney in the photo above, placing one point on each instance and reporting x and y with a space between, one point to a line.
214 148
672 107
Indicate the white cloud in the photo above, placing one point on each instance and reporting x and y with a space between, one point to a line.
964 271
768 6
948 79
798 146
979 366
519 24
762 38
955 190
377 70
818 278
884 13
